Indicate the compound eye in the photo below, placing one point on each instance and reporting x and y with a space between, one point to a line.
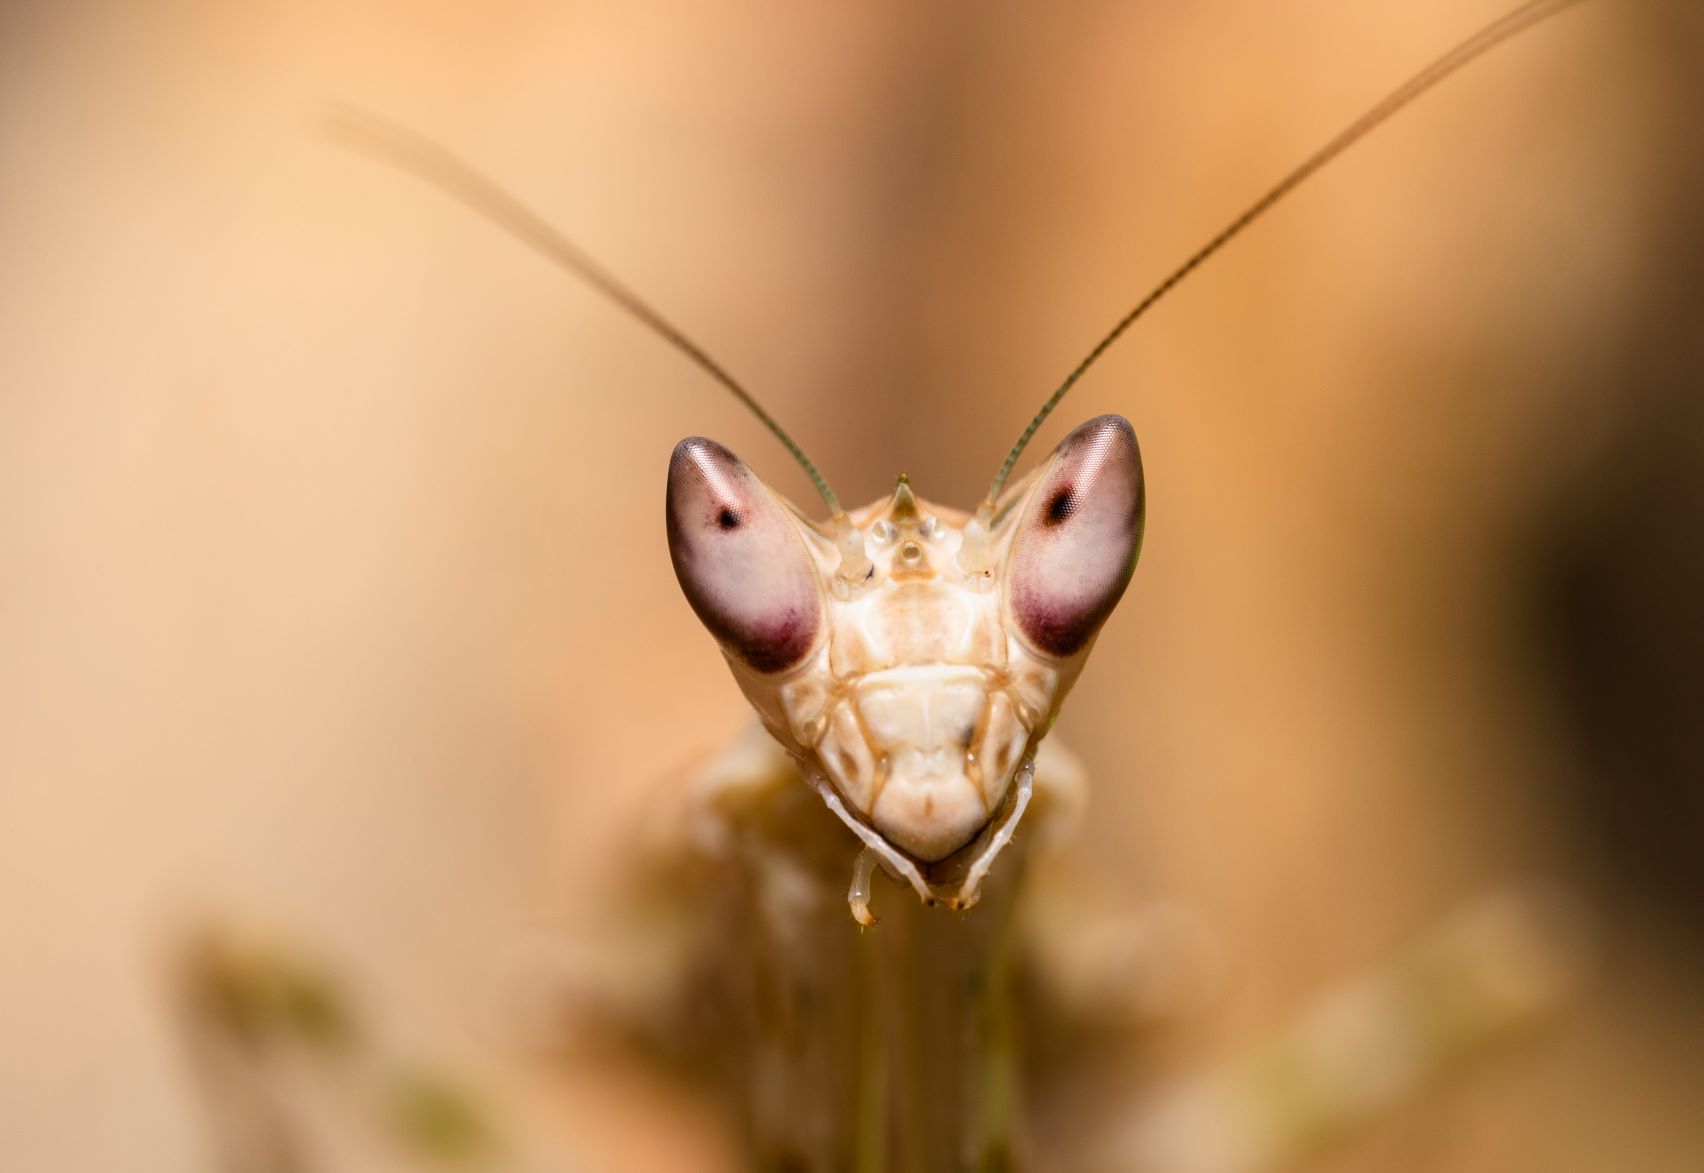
1077 539
740 559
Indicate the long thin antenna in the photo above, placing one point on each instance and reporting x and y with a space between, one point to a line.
1479 43
461 181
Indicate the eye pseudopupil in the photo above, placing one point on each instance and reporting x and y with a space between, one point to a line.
1061 505
728 519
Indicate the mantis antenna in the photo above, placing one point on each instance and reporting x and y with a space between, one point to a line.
1480 43
461 181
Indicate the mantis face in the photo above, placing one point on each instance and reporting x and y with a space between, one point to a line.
912 661
909 657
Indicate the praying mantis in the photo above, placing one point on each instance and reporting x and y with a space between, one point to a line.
906 662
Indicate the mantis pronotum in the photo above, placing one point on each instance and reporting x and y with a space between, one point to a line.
929 757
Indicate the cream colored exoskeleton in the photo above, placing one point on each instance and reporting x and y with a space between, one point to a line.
911 658
906 662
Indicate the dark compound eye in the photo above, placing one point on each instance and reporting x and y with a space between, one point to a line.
1077 540
740 560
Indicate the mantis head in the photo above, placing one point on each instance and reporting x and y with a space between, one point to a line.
908 656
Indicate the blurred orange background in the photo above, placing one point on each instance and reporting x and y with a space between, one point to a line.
333 589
